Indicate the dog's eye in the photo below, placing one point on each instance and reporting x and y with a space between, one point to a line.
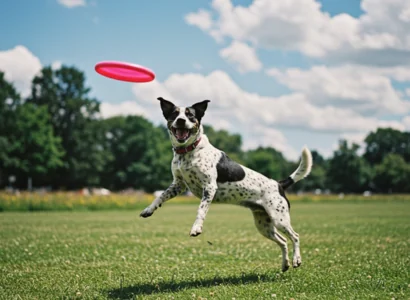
189 113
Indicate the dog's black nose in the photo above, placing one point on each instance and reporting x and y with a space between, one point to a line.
180 122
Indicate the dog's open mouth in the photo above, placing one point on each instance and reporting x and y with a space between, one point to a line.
181 134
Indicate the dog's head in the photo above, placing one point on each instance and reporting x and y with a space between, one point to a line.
183 122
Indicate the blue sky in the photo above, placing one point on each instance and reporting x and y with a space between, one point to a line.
276 65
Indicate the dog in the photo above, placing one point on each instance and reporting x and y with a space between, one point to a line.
213 177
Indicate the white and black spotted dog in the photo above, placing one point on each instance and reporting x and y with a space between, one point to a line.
213 177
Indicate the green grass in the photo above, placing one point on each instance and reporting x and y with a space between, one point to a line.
349 251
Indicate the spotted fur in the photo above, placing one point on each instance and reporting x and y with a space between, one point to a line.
213 177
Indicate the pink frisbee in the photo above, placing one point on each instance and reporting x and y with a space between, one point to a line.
124 71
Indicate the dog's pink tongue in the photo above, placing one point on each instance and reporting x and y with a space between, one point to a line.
181 133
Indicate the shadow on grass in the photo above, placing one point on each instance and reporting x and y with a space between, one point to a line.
129 292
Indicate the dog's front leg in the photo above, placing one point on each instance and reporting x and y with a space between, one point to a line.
207 197
172 191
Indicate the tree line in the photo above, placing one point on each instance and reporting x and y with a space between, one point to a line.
57 138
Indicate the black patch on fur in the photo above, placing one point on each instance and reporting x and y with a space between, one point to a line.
229 170
169 110
286 183
282 193
206 194
200 109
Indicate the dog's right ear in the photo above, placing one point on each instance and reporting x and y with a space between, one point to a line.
167 107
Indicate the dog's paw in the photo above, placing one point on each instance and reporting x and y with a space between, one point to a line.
147 212
297 261
285 267
196 230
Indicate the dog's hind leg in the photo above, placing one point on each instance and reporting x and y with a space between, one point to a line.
284 225
281 218
264 224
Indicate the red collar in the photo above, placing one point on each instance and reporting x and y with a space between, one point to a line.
184 150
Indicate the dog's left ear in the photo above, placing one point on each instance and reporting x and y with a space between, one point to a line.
167 107
200 109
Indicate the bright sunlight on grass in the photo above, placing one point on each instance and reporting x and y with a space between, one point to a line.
349 251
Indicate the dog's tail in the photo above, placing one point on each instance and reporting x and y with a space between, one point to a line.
301 172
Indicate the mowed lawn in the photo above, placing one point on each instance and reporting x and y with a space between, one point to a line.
349 251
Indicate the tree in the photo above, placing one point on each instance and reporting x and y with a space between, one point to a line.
141 154
392 175
32 144
347 171
73 116
227 142
269 162
385 141
9 100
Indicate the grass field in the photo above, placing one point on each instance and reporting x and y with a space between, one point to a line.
349 251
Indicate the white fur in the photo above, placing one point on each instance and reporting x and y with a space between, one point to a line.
197 170
305 166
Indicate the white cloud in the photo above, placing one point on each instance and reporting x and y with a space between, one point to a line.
380 36
201 19
242 56
257 118
56 65
269 137
399 73
19 66
358 139
125 108
231 102
367 90
72 3
406 122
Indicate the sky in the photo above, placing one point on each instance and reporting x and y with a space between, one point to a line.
283 74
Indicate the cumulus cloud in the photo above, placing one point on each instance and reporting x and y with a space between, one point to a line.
406 122
367 90
72 3
270 137
259 119
56 65
20 66
201 19
125 108
242 56
380 36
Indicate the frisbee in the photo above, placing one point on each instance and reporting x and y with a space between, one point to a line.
124 71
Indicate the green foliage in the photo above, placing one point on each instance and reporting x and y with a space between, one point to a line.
141 154
9 100
269 162
32 144
392 174
58 138
385 141
223 140
347 171
73 116
349 251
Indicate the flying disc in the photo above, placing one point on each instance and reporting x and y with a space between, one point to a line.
124 71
